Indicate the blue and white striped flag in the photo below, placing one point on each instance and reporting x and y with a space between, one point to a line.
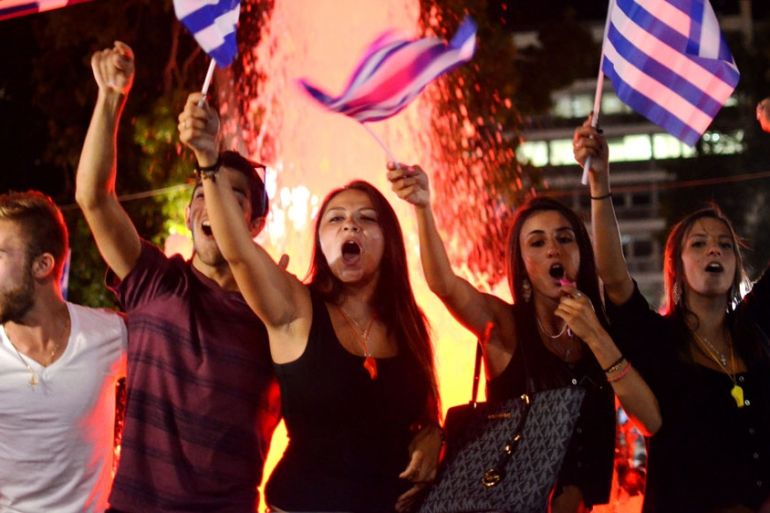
668 61
393 71
16 8
212 23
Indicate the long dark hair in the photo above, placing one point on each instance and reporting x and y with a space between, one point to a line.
395 303
673 270
746 335
587 278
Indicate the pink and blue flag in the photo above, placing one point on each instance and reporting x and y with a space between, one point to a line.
668 60
16 8
213 24
394 71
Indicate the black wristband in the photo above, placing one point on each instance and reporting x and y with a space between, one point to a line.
603 196
615 365
205 172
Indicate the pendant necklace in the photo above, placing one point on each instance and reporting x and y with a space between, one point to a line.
34 379
362 335
737 391
566 352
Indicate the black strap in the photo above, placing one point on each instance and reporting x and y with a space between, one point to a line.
529 383
476 375
494 474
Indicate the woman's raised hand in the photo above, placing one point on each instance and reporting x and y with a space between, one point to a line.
588 141
410 183
576 309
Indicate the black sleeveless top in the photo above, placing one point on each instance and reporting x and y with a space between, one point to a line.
348 434
588 463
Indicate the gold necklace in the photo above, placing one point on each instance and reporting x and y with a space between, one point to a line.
370 364
565 351
737 391
34 380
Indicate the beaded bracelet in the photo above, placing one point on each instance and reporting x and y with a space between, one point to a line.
615 366
620 375
208 172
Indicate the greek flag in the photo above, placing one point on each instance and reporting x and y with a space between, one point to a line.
668 61
212 23
393 71
15 8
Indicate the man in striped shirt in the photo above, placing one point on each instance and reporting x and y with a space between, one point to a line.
202 397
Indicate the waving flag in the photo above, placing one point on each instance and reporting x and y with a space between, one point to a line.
212 23
668 61
394 71
14 8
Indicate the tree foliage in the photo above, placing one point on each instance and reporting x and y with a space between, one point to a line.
44 142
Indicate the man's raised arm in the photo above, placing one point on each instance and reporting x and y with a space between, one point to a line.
115 234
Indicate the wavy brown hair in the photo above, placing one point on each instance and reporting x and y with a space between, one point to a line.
394 299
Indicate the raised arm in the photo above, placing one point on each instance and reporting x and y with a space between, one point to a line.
115 234
276 296
611 265
474 309
634 394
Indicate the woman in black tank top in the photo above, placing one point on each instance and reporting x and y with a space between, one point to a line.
352 355
557 313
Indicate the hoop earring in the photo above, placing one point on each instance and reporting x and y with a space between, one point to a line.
526 290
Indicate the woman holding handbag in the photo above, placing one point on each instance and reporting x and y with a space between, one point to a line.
351 348
706 357
556 320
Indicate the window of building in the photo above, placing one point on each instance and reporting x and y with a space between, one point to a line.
611 104
533 152
718 143
561 152
631 148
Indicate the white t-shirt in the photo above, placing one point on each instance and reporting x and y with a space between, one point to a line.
56 439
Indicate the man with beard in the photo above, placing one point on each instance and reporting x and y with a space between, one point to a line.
59 364
202 396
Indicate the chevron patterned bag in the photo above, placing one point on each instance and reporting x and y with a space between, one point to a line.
506 456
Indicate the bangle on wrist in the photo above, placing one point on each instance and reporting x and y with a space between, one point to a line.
207 172
603 196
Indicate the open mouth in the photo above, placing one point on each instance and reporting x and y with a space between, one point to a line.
556 271
351 251
206 228
714 267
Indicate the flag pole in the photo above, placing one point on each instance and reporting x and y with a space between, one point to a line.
207 82
599 90
594 118
389 154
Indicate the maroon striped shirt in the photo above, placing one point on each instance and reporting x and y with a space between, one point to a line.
202 396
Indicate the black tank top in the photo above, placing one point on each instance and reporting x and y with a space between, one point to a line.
589 460
348 434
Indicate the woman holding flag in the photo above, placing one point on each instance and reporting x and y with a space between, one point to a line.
350 347
706 357
556 320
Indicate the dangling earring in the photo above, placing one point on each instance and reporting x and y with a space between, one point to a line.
526 290
677 292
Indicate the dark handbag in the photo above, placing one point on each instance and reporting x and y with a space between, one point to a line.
504 456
